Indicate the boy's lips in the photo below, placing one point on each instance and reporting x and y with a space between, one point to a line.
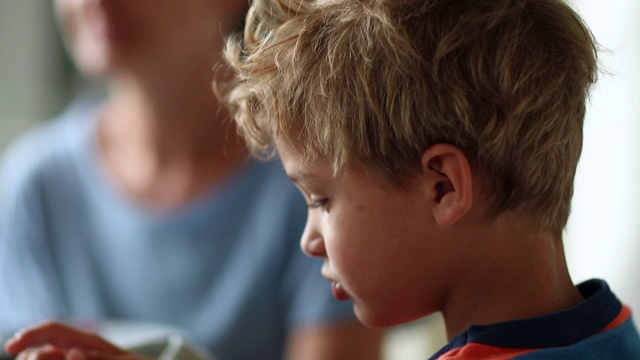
338 291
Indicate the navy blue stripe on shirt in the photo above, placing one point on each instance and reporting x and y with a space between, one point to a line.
561 328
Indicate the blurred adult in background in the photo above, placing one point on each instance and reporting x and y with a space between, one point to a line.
141 203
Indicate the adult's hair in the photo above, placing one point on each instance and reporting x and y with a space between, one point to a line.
377 82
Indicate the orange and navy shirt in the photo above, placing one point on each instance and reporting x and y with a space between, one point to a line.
598 328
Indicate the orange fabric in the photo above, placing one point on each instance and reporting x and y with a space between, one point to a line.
476 351
623 316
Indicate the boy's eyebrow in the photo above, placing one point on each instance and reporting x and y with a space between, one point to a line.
299 175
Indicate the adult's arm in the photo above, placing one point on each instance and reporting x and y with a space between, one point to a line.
28 279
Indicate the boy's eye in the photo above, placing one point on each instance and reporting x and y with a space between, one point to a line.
313 204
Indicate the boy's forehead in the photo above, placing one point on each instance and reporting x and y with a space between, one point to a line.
287 154
291 160
298 167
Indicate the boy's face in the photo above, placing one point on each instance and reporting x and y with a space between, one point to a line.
377 243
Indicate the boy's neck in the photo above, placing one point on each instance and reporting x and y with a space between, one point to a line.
516 275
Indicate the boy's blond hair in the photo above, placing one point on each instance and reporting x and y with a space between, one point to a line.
376 82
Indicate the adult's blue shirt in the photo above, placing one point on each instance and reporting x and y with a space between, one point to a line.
225 269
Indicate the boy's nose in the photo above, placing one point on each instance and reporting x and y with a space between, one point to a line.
312 243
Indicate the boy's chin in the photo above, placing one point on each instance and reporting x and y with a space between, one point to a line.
377 319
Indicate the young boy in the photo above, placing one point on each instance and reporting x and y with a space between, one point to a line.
436 144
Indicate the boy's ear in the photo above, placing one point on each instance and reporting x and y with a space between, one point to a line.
448 181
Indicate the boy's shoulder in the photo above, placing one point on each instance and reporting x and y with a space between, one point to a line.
601 326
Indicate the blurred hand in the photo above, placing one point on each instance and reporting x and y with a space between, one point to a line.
55 341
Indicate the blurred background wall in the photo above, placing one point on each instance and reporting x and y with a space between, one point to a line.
603 234
36 77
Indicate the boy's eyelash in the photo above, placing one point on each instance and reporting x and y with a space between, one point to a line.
317 203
